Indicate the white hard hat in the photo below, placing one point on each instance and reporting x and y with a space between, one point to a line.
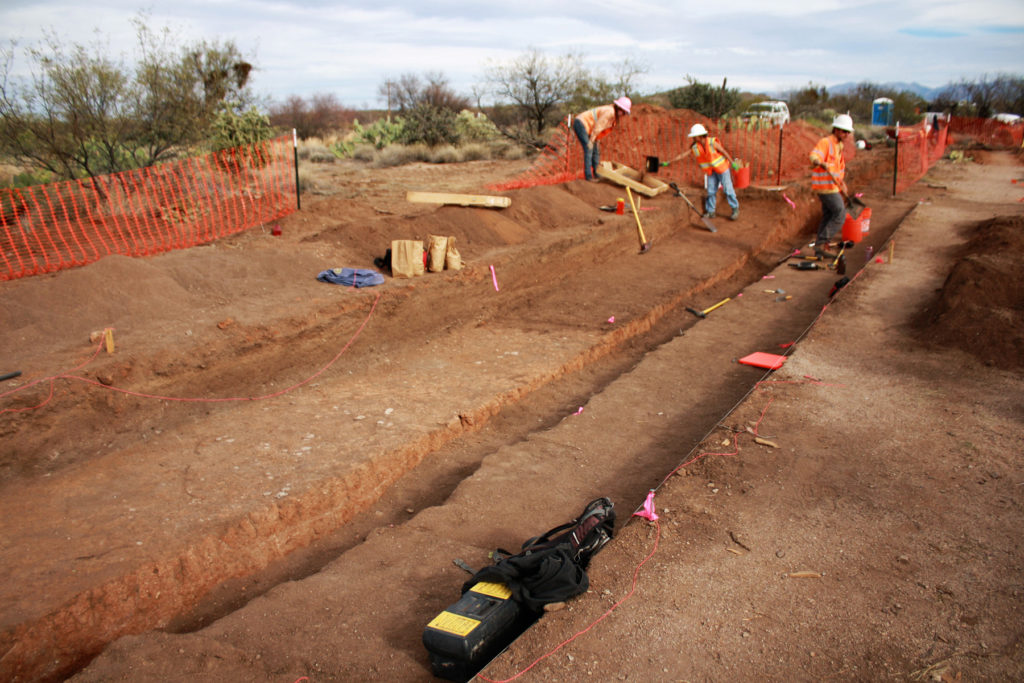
624 103
697 130
843 122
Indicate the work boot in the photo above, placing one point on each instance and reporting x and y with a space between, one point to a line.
735 215
708 215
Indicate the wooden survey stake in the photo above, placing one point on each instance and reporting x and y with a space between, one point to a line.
458 199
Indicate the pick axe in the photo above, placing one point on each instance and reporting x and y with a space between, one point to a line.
704 313
704 219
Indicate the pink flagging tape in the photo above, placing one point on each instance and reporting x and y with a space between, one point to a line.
648 512
494 277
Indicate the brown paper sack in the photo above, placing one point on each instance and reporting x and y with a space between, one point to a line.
406 258
452 258
437 246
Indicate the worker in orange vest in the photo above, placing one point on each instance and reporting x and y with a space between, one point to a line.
714 161
828 181
594 124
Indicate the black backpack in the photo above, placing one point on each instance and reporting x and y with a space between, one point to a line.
552 567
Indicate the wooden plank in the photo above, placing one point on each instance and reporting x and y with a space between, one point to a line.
631 178
458 199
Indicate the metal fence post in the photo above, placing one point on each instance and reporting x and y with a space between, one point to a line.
295 154
896 163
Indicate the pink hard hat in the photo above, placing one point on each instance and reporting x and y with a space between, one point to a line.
624 104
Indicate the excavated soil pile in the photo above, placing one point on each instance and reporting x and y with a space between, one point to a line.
981 307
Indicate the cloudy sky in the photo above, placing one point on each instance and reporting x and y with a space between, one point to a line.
349 48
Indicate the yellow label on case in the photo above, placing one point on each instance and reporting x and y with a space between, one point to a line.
453 623
495 590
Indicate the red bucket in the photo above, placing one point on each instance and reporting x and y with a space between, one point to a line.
741 177
855 228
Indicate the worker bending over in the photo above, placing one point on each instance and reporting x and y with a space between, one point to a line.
594 124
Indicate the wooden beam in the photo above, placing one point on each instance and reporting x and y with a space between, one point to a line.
458 199
624 175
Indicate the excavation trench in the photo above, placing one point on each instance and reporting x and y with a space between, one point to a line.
559 290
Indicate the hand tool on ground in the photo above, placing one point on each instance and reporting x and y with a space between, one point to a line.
10 375
645 245
791 254
704 313
840 260
806 265
707 222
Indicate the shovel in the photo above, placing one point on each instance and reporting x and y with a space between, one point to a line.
853 205
704 219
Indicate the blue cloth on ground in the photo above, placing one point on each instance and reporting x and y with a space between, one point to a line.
357 277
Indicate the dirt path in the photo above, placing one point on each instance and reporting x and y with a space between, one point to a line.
266 491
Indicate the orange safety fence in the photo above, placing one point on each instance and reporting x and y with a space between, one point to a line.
917 149
146 211
774 154
988 131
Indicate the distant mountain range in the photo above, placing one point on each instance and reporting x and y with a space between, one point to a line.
922 91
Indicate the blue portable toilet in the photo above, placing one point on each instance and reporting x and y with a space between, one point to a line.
882 112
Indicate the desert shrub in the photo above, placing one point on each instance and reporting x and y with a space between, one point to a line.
233 129
363 152
28 178
399 155
475 151
445 154
306 182
323 157
505 149
380 133
475 127
308 150
430 125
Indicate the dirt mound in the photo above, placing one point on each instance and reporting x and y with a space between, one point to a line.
979 309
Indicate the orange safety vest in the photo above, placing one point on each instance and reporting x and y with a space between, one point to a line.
828 151
598 121
709 158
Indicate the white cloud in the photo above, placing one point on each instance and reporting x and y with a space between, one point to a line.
349 47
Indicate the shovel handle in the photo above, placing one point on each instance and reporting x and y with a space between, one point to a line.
720 303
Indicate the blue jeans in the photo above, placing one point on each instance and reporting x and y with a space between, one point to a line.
591 155
833 215
712 183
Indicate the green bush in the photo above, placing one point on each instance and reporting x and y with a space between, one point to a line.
232 129
475 127
380 133
430 125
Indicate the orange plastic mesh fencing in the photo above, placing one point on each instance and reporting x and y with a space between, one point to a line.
917 149
176 205
774 154
988 131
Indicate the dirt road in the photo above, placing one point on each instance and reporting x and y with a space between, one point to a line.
275 536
